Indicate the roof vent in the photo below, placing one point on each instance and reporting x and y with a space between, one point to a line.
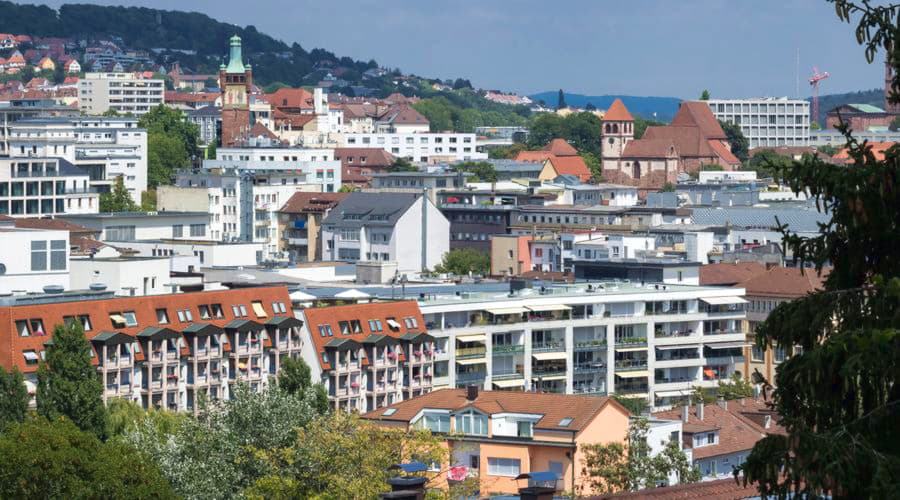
54 289
98 287
472 392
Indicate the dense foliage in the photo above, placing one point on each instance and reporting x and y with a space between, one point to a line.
581 130
172 143
464 110
463 261
117 200
481 171
13 397
740 146
838 396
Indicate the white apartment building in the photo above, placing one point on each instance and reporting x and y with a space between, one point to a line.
107 147
766 121
121 92
420 147
37 187
242 205
656 341
137 226
32 260
127 276
317 166
14 110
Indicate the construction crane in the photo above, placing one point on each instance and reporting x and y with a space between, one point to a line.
814 81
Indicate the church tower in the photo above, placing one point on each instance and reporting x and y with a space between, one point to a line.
617 130
235 80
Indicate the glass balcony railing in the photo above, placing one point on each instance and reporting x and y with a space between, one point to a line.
623 365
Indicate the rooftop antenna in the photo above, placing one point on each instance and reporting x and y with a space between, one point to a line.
797 75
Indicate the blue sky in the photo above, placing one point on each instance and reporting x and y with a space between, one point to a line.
735 48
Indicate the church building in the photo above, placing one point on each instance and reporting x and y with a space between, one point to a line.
235 80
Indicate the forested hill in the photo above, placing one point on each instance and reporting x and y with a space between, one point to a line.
143 28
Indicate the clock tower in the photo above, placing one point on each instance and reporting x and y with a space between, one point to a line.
235 81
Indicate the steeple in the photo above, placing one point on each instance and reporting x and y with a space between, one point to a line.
235 60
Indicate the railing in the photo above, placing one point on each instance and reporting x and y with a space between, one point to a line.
547 372
471 352
548 345
662 334
508 348
470 376
631 389
590 390
632 341
508 374
678 357
588 345
723 332
593 367
630 364
672 380
724 312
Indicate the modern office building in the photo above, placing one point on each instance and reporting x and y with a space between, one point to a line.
316 166
766 121
41 187
120 92
420 147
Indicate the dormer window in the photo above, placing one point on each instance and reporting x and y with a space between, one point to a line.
472 422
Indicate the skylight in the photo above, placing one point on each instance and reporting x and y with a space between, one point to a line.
389 412
565 422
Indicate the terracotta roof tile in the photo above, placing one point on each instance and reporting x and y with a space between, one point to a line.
617 112
290 98
729 274
735 434
534 156
559 147
720 489
571 165
650 148
312 202
789 282
375 157
260 130
698 114
877 148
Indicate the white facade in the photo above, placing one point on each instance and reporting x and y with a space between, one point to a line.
122 275
31 259
208 254
122 92
107 147
36 187
136 226
420 147
766 121
655 341
318 166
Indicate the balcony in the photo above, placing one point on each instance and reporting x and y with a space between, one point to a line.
632 389
474 377
471 352
507 349
548 372
300 242
590 345
631 341
591 367
548 346
624 365
508 374
590 390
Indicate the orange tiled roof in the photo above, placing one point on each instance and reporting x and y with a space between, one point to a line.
312 202
617 112
559 147
735 434
720 489
730 274
788 282
571 165
876 148
534 156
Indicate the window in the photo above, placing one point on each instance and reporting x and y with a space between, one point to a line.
181 315
162 316
524 429
22 328
355 326
204 311
188 315
711 438
411 322
503 466
217 311
31 357
345 327
325 331
236 311
556 468
243 309
435 423
198 229
779 354
130 318
117 320
565 422
85 322
471 422
58 255
258 309
120 233
375 325
38 255
178 230
757 354
278 307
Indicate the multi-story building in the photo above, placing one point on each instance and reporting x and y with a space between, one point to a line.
120 92
124 275
40 187
209 123
369 355
32 260
162 351
420 147
317 165
107 147
494 436
766 121
137 226
651 340
19 109
407 229
301 222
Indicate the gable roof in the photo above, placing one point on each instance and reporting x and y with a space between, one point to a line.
698 114
404 115
553 407
290 98
735 434
260 130
788 282
386 207
730 274
617 112
649 148
533 156
301 202
571 165
559 147
375 157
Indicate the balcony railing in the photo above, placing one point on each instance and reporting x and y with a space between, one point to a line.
631 341
508 374
547 372
662 334
720 331
548 345
508 348
590 345
599 390
471 352
471 376
672 380
678 358
592 367
631 389
624 365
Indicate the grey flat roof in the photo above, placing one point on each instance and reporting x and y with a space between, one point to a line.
111 215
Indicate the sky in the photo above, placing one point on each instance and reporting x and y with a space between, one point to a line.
677 48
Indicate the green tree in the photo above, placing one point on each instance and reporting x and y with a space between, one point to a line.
68 384
294 376
838 398
462 261
482 171
59 74
402 164
593 164
117 200
740 146
544 128
211 150
582 130
704 96
561 100
641 124
148 201
55 459
894 125
347 188
637 406
668 188
505 152
13 397
736 388
767 163
111 112
172 141
827 150
615 467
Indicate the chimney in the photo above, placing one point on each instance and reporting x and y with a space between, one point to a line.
723 403
700 410
770 265
472 392
685 413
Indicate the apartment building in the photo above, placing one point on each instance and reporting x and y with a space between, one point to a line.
766 121
124 275
386 227
120 92
32 260
13 110
162 351
137 226
301 224
420 147
39 187
107 147
647 340
209 123
495 436
369 355
317 166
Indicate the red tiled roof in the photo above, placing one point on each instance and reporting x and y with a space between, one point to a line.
553 407
617 112
720 489
571 165
55 224
312 202
260 130
788 282
559 147
404 115
290 98
698 114
735 434
363 313
534 156
876 148
650 148
296 120
729 274
723 151
375 157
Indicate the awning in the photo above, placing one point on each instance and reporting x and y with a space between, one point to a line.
299 296
258 309
516 382
721 301
30 355
392 323
475 361
634 374
671 347
549 377
671 394
727 345
549 307
118 318
546 356
478 337
507 310
709 372
631 349
352 294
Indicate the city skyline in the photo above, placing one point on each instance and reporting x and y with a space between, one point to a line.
613 59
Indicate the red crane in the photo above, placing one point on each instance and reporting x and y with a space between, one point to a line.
814 81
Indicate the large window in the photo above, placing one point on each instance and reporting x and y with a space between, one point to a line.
120 233
435 423
38 255
503 466
58 260
349 234
198 229
472 422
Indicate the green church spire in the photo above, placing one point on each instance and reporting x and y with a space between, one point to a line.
235 62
